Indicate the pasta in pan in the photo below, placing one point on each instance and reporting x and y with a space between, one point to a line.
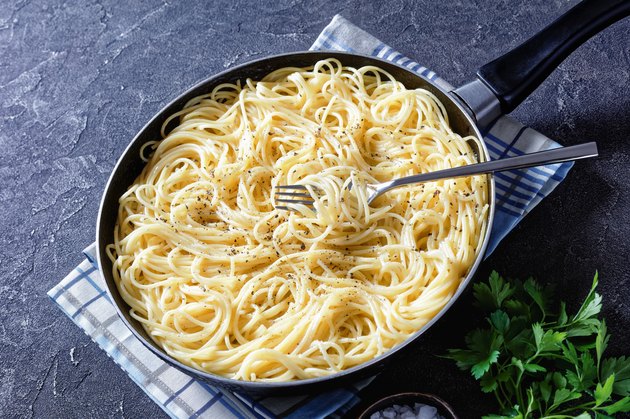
227 284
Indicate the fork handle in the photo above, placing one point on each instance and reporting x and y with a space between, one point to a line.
513 76
541 158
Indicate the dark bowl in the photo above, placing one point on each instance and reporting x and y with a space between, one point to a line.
443 408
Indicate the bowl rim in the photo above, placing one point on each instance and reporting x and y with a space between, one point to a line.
433 399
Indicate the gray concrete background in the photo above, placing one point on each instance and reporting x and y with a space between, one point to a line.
78 79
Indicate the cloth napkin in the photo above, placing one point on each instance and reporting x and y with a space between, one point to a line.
81 295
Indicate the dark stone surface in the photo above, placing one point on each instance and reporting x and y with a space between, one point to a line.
78 79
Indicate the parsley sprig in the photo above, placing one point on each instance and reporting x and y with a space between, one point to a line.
541 363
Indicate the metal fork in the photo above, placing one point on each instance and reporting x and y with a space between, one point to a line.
298 194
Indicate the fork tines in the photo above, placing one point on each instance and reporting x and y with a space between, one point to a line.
291 194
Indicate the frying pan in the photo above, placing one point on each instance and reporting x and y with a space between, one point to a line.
499 87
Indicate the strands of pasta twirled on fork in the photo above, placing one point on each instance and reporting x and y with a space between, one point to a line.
227 284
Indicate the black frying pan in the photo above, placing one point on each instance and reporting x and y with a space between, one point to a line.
500 87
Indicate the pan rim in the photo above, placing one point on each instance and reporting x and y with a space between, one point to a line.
255 386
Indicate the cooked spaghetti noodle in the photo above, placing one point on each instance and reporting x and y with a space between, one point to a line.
227 284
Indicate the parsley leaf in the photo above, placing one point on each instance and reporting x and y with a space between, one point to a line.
539 360
591 306
620 367
603 392
500 321
538 294
564 395
621 406
483 352
491 295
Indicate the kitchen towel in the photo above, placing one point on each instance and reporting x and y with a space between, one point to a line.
81 295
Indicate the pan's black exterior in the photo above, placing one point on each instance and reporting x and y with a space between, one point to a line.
130 165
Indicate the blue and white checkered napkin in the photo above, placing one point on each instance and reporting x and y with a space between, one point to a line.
82 297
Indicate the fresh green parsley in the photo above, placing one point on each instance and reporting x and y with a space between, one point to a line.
538 360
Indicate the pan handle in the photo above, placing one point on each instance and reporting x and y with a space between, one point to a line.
514 76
